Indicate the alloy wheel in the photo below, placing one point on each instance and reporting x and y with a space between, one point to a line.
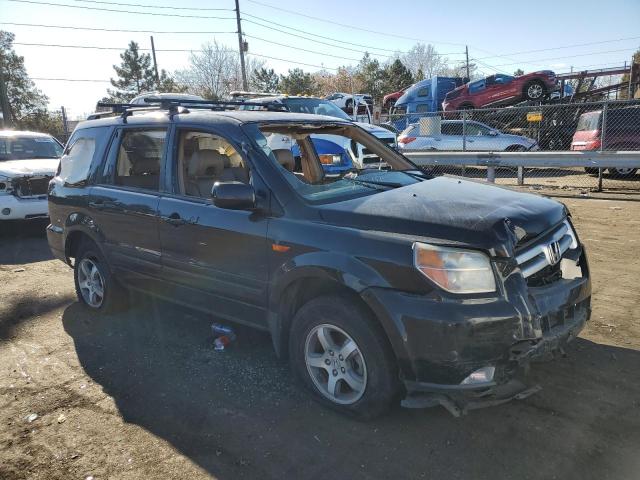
335 364
534 90
91 283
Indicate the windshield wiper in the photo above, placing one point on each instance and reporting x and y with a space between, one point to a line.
371 182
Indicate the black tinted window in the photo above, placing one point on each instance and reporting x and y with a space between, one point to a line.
139 158
21 147
451 129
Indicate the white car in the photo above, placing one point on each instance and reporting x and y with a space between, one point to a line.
28 160
346 100
478 137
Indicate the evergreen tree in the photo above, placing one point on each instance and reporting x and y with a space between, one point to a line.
135 75
297 82
264 80
396 76
24 98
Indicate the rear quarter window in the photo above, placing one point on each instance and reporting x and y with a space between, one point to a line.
82 155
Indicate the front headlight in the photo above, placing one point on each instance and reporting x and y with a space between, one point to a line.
453 269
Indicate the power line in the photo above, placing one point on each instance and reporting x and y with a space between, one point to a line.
112 29
173 50
537 62
351 27
302 49
325 37
562 47
157 6
70 79
84 7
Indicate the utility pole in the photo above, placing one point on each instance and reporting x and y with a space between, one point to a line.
65 125
155 63
466 52
245 85
4 101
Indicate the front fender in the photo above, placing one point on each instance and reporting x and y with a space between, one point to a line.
344 269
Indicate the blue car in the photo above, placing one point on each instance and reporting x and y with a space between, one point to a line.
333 157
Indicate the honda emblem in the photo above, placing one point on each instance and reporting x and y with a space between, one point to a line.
552 253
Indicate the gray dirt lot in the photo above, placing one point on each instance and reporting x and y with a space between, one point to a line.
144 395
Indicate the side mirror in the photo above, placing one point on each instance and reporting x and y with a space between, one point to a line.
233 196
493 133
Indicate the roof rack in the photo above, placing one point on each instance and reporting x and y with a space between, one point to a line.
175 106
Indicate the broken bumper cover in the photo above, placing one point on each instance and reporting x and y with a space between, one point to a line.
439 342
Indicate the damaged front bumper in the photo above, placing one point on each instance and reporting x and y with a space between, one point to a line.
440 341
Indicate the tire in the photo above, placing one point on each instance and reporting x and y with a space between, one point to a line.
591 171
365 380
516 148
623 172
534 91
96 288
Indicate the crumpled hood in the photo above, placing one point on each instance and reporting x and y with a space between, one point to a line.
36 166
451 210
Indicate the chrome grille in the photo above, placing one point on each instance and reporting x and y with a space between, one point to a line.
549 250
30 186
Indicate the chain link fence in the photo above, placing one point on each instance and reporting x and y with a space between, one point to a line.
593 126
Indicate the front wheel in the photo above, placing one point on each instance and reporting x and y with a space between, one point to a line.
96 288
343 357
534 91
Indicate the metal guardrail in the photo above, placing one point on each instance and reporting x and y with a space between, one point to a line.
588 159
543 169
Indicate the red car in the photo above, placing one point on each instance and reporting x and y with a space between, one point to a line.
390 99
501 89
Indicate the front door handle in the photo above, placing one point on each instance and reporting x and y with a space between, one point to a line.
176 220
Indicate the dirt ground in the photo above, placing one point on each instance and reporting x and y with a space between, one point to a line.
144 395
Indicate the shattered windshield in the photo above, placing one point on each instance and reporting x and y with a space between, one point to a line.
334 163
23 147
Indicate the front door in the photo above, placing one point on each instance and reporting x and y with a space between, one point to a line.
124 205
216 259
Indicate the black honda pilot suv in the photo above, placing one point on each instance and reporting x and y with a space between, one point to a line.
378 285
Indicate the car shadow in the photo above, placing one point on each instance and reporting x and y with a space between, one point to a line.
23 242
237 413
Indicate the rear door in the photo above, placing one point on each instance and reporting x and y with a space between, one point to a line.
451 138
213 259
124 204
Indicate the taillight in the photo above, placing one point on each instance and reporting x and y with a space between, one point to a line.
405 140
593 144
328 159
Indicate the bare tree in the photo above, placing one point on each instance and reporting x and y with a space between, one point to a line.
215 71
424 58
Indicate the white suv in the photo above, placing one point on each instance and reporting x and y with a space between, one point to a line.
28 160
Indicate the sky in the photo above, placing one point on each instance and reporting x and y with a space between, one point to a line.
501 36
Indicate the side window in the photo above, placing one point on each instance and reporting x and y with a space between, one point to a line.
477 86
204 159
75 164
423 92
454 128
82 153
139 158
474 129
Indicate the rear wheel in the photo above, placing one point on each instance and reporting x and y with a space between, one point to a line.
96 288
591 171
342 356
623 172
534 91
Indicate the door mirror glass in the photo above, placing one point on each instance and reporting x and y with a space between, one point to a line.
233 195
493 133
